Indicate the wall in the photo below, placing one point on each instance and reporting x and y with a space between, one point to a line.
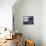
6 13
43 22
29 8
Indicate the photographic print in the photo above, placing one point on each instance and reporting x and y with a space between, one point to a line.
28 20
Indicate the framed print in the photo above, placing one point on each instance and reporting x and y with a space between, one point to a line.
28 19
